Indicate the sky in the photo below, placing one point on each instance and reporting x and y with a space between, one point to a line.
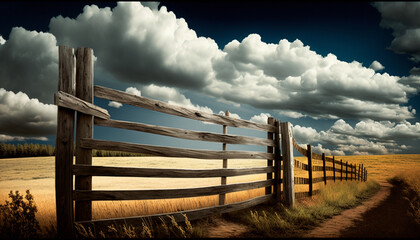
346 75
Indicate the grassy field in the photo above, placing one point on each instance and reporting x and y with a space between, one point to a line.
41 182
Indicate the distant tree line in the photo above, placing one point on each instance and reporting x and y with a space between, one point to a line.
38 150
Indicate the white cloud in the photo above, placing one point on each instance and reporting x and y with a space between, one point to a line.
319 149
21 116
133 91
29 63
262 118
172 96
366 136
2 41
377 66
155 47
114 104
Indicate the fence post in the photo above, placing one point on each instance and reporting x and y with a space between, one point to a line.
288 163
84 128
334 168
324 168
270 121
341 163
310 168
64 147
358 175
363 175
351 172
222 197
346 169
277 162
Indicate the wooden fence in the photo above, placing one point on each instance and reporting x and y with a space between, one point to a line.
350 172
75 98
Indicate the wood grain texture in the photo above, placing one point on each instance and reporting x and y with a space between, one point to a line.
84 127
80 169
184 134
64 145
66 100
171 152
98 195
288 163
310 169
178 216
300 149
270 149
125 98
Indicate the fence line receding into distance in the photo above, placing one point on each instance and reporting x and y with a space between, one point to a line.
76 92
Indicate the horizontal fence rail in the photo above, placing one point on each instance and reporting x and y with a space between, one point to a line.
171 152
155 105
185 134
84 170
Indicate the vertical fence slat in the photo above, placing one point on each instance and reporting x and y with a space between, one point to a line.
222 197
362 173
84 128
346 169
341 172
310 168
277 162
324 168
288 163
64 146
334 168
270 121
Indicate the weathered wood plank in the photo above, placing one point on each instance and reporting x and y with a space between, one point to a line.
84 127
310 166
288 163
184 134
80 169
66 100
178 216
299 148
64 146
325 170
171 152
167 193
301 180
270 149
222 197
155 105
277 162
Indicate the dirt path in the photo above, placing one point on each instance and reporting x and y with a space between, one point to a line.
383 215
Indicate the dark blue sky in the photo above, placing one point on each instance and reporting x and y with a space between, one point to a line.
349 30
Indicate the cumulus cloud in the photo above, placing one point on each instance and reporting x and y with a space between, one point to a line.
262 118
403 19
114 104
155 47
366 136
172 96
29 63
377 66
21 116
328 152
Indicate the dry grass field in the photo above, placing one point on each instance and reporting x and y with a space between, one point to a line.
37 174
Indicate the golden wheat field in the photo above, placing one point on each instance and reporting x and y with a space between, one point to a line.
37 174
